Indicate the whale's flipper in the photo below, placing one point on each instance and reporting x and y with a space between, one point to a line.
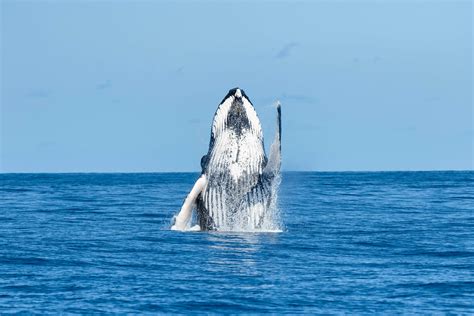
274 159
184 216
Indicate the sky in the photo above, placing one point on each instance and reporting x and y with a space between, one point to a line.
132 86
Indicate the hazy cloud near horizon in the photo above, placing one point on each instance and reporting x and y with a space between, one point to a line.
363 85
286 50
38 94
103 85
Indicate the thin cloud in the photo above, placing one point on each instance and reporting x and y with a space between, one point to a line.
298 97
38 94
46 145
375 59
103 85
285 51
194 121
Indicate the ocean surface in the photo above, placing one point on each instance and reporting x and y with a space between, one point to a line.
356 243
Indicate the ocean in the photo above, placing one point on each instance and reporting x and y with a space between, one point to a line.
350 242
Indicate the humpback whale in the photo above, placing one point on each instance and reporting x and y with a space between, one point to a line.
236 187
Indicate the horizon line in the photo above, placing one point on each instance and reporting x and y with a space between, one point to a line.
283 171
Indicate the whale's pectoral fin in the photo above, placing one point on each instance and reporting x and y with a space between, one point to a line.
184 215
274 160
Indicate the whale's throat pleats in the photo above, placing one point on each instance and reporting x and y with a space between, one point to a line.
234 168
234 163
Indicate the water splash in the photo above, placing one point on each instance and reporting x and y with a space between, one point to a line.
261 216
272 220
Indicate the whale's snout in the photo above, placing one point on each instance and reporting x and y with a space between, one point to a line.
238 93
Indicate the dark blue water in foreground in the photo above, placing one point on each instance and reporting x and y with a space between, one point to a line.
353 242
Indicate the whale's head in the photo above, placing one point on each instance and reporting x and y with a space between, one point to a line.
236 134
236 114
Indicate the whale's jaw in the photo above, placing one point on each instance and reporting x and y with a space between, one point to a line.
236 147
235 112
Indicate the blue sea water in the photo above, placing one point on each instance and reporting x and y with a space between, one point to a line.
358 243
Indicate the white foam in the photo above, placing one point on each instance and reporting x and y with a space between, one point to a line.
245 220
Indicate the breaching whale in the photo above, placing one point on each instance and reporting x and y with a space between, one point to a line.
235 188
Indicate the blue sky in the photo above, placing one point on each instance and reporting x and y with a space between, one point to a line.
132 85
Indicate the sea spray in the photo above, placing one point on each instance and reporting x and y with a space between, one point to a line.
256 217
